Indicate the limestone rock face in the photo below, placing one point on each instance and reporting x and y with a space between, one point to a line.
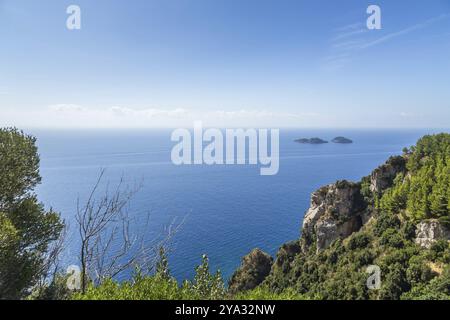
329 230
383 177
428 232
335 212
255 267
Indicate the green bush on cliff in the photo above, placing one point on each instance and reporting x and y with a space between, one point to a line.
339 272
437 289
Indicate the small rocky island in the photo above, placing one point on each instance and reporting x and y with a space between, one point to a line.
341 140
311 141
316 140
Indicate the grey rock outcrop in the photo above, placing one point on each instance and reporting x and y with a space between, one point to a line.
383 177
255 267
335 212
428 232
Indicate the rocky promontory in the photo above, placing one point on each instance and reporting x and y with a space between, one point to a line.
396 218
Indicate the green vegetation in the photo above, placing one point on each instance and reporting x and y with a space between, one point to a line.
408 270
424 192
338 272
264 293
29 244
161 286
27 230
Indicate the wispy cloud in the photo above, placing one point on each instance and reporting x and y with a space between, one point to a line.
347 45
410 115
67 108
405 31
148 113
348 27
350 39
344 41
349 34
77 116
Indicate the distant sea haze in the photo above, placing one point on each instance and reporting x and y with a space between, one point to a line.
227 210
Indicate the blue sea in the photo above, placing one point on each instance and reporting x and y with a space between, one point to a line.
226 210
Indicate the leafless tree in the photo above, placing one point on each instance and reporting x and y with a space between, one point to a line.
110 244
51 266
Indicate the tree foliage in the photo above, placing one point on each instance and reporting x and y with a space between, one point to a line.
425 191
27 230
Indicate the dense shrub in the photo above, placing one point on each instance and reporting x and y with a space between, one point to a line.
384 222
392 238
160 286
358 241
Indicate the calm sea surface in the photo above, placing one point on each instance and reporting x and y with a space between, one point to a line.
227 210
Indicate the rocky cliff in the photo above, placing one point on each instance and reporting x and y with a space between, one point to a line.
383 177
347 219
335 212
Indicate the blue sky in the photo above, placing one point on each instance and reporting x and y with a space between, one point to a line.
227 62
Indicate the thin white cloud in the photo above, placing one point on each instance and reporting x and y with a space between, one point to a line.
77 116
347 45
148 113
410 115
257 114
349 39
349 34
405 31
345 40
352 26
67 108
